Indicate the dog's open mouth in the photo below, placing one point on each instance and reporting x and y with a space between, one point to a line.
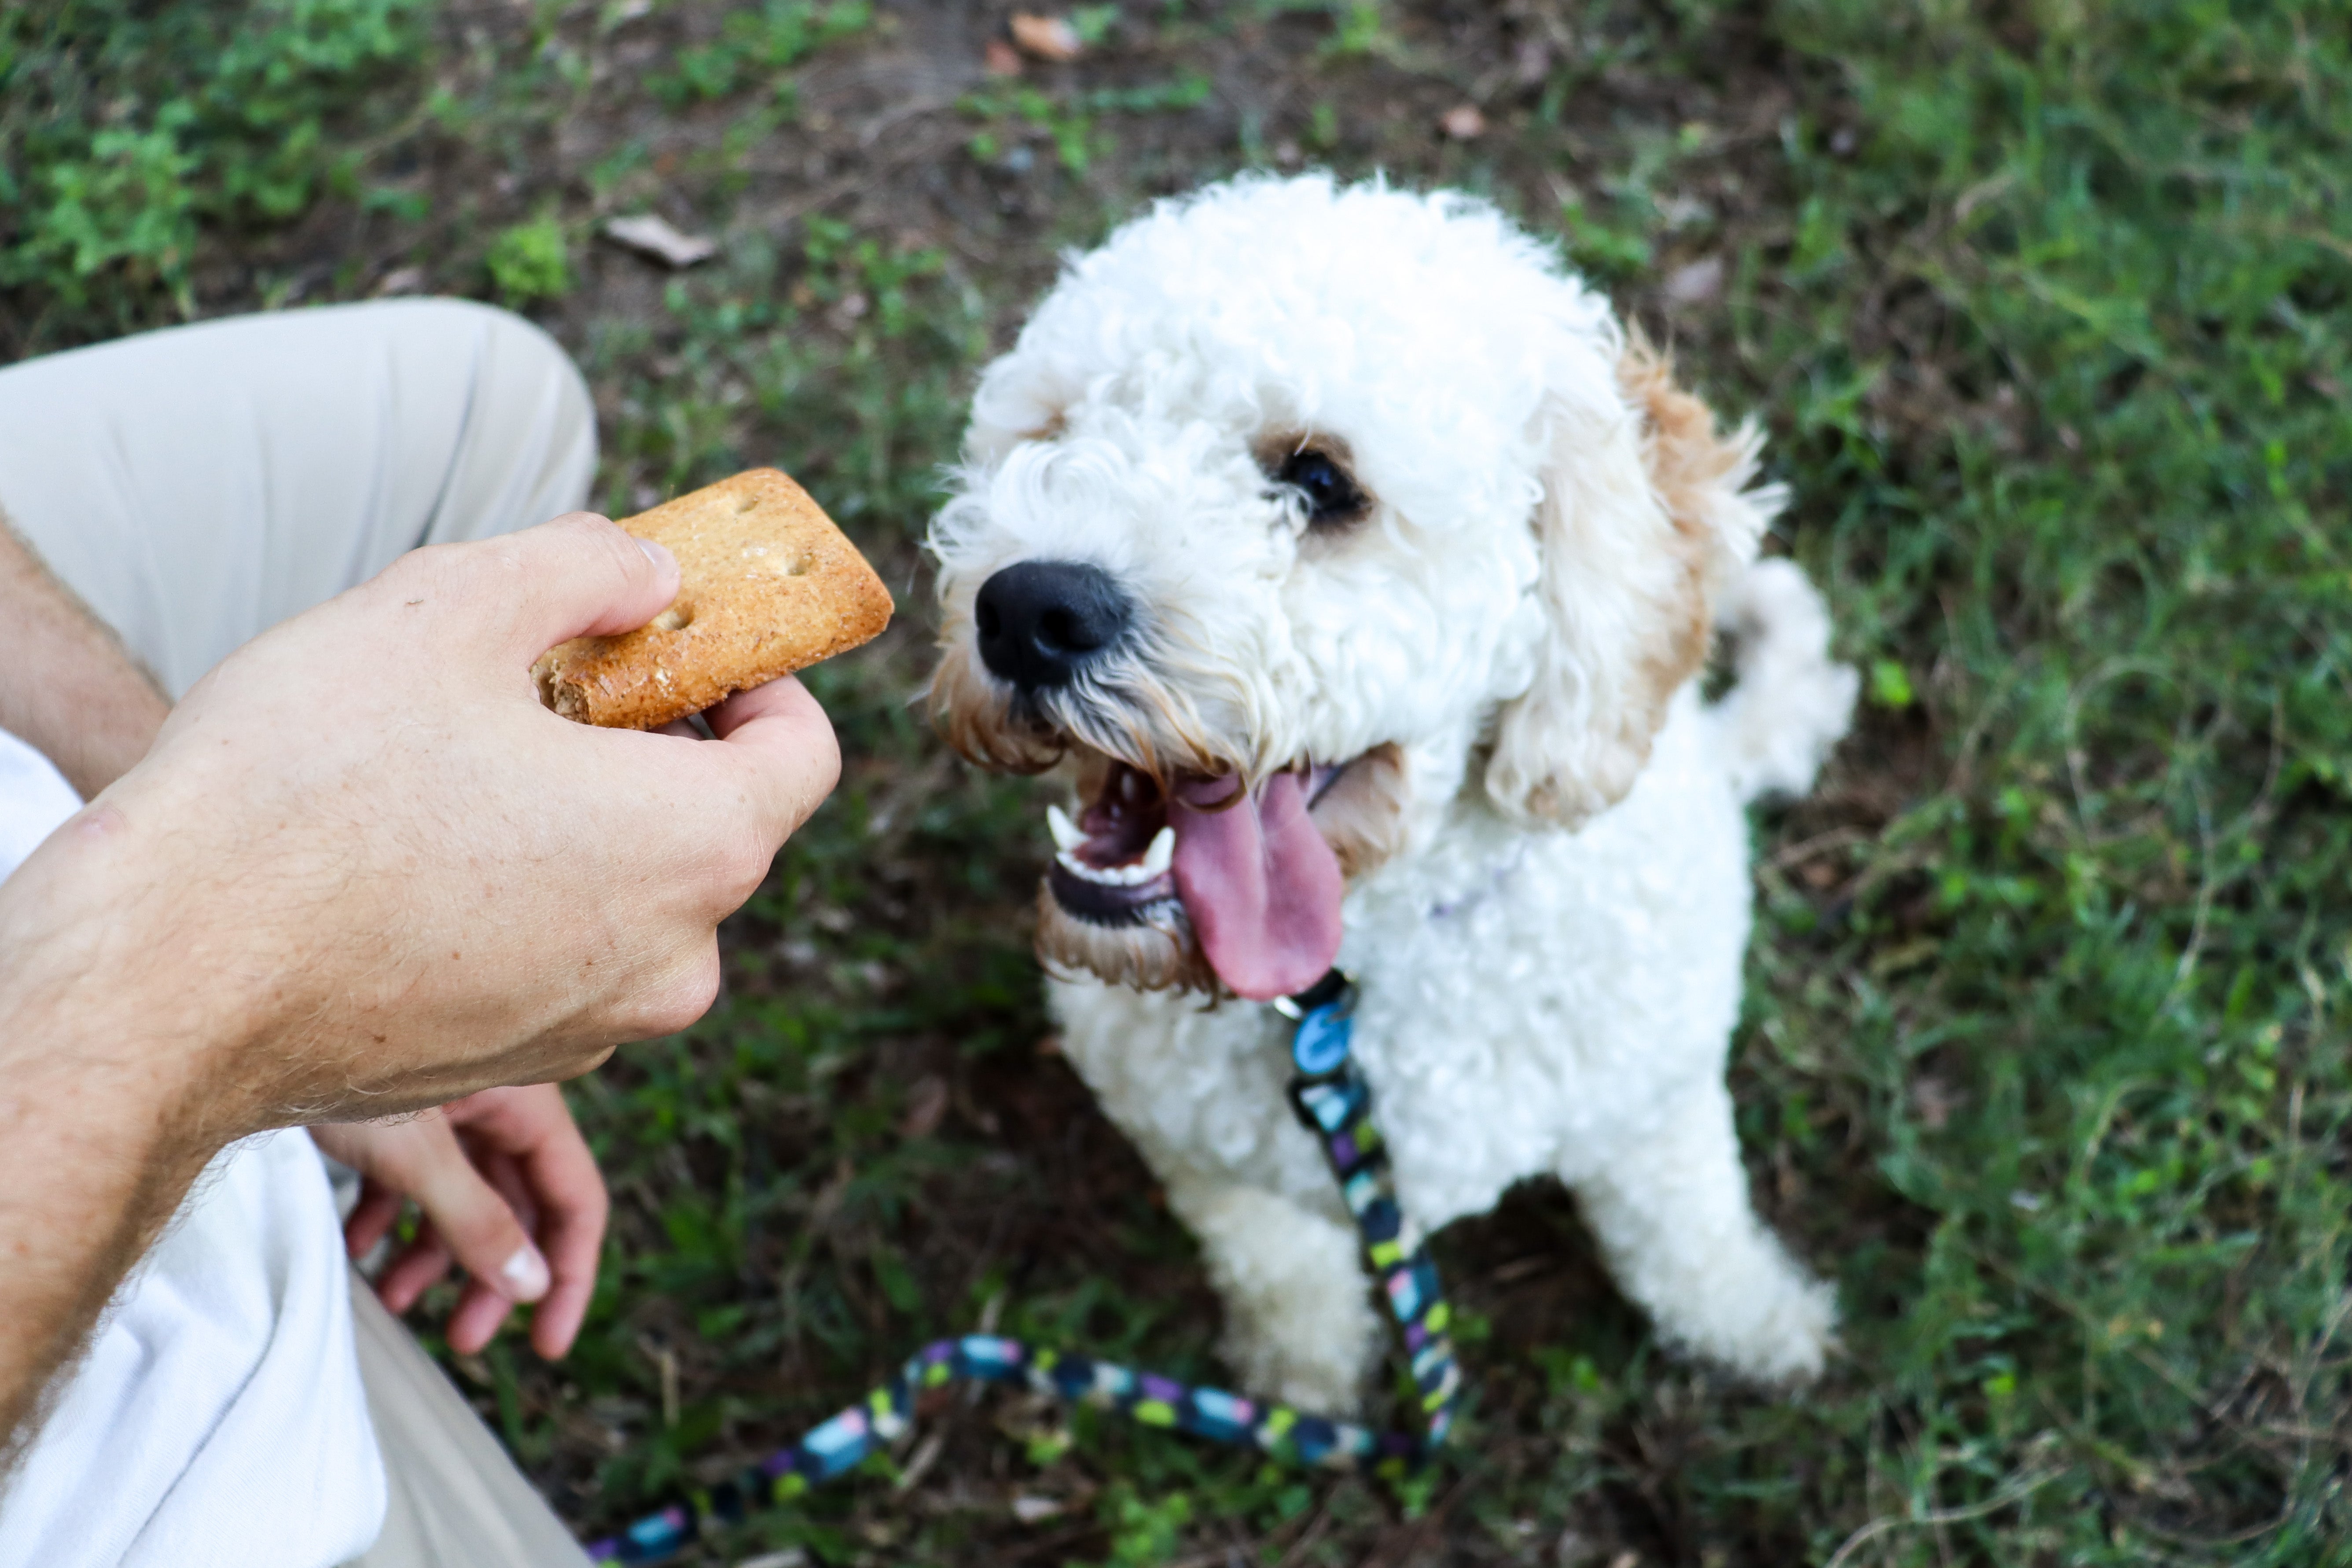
1253 876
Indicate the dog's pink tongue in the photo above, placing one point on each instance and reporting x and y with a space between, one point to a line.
1261 886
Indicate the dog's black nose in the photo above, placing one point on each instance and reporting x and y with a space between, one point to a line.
1041 621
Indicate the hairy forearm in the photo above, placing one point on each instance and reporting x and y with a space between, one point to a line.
96 1144
105 1116
68 686
90 1168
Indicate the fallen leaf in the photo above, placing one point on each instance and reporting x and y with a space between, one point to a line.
401 280
1000 58
927 1107
1697 283
1934 1100
850 308
648 235
1682 210
1030 1510
1046 38
1462 123
926 1454
1531 61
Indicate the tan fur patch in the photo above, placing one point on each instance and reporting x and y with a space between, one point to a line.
1362 813
1575 743
1692 465
1692 468
1273 447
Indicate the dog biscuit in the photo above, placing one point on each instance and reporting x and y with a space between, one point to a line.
767 585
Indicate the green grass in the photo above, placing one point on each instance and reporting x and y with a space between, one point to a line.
2044 305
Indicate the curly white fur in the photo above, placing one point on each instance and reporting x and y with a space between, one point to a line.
1549 925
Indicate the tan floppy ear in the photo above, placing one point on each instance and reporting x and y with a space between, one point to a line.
1645 516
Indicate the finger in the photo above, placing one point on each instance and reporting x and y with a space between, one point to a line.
577 576
504 1171
574 1211
526 1143
478 1226
372 1217
481 1313
784 746
424 1264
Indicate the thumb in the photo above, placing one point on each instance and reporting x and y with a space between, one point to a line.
784 747
580 575
478 1226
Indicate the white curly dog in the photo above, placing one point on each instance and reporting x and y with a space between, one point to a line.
1359 571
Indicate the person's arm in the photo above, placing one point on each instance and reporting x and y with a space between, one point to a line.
361 871
67 686
96 1143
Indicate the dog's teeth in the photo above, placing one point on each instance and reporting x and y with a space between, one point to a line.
1076 867
1066 834
1153 865
1161 856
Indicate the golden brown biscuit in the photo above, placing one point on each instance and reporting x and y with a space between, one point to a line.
767 585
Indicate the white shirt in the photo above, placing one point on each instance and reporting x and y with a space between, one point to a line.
217 1416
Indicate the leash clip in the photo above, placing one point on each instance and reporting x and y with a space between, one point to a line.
1323 1013
1324 1090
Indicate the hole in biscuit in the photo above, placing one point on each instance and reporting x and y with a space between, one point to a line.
797 567
677 618
747 504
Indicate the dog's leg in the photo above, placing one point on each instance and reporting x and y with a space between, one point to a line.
1299 1323
1671 1213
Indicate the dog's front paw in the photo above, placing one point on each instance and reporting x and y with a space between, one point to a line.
1791 1338
1299 1325
1317 1381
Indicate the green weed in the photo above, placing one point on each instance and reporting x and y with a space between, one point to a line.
1360 28
114 158
1144 1533
756 43
531 261
1072 123
1603 250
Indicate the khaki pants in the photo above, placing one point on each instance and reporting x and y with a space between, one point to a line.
455 1499
196 487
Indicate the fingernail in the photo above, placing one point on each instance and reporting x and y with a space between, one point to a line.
526 1273
658 553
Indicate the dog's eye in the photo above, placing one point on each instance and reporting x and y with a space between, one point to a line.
1332 497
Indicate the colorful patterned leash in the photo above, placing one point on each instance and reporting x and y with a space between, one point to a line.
1332 1100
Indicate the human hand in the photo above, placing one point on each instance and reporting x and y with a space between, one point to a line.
363 869
510 1193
